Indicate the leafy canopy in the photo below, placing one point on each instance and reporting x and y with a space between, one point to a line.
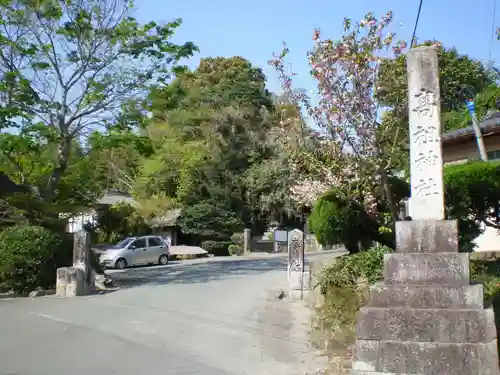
67 67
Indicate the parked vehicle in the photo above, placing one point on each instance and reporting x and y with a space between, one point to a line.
136 251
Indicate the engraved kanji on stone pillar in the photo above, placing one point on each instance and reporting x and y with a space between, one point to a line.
426 318
298 276
426 159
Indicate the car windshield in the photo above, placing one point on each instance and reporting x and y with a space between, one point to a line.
123 243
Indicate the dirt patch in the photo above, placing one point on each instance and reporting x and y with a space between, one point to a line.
288 335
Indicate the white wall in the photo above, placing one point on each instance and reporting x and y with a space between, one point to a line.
489 240
76 222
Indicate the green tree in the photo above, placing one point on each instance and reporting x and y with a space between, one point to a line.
485 101
456 72
289 141
63 70
472 196
208 128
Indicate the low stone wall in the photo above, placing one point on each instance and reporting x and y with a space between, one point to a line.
261 246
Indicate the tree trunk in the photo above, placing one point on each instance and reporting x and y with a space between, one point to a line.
9 187
393 206
63 153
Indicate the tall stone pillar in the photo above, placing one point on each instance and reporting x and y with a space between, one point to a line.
298 276
426 319
80 279
247 238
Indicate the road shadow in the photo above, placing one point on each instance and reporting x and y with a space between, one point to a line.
196 273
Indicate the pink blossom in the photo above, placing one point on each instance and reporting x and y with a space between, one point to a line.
346 74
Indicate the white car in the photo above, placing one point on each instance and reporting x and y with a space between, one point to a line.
136 251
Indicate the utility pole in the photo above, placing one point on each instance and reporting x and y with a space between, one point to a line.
477 129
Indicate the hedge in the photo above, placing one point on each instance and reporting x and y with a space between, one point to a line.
30 256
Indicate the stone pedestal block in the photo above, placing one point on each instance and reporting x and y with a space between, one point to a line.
426 325
426 318
427 297
427 269
299 280
409 358
70 282
427 236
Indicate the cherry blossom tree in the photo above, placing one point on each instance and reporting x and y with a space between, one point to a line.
346 109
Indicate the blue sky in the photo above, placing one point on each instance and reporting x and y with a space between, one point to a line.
255 29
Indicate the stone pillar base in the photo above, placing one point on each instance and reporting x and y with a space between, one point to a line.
71 282
426 319
299 284
298 280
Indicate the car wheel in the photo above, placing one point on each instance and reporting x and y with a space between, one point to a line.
121 263
163 260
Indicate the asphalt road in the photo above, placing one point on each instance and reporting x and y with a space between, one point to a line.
215 317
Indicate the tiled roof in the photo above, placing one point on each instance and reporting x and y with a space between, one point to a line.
111 198
167 220
488 125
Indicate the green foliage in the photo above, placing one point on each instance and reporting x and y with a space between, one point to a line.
336 317
484 101
324 222
237 239
345 286
488 273
456 72
349 270
74 53
237 245
29 258
472 197
209 221
235 249
339 220
217 248
116 222
175 169
207 129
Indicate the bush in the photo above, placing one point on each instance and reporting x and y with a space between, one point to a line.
350 269
487 272
336 317
217 248
237 239
235 250
30 256
209 220
237 246
344 285
337 220
472 195
344 295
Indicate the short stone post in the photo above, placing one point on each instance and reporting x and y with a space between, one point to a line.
298 276
80 279
247 238
426 319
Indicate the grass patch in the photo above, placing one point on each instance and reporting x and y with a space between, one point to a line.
345 288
